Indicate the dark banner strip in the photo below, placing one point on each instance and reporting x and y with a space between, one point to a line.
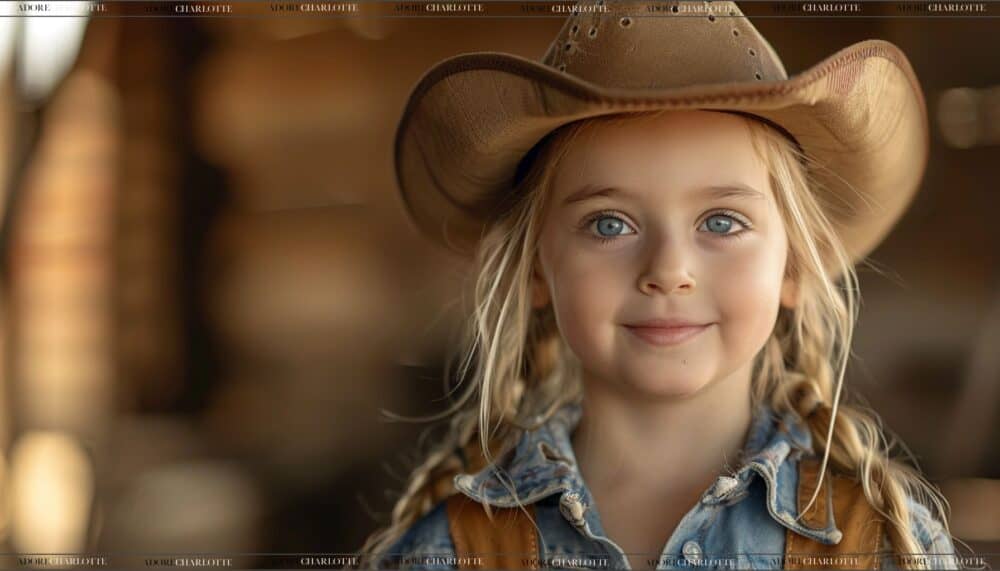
498 9
352 561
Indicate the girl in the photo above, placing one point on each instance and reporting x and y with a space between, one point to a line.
663 228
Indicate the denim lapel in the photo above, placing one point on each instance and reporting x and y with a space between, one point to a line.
543 463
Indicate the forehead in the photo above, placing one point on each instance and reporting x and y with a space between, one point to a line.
663 156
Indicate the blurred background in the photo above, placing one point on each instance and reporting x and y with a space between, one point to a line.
210 289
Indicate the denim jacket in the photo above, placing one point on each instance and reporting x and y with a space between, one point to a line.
740 521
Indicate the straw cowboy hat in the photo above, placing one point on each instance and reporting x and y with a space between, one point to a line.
860 113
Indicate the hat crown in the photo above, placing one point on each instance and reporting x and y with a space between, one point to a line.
662 45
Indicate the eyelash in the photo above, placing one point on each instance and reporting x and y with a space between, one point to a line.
739 218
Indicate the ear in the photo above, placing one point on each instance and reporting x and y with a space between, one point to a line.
789 292
539 287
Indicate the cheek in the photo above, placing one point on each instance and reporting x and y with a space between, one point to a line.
585 295
749 292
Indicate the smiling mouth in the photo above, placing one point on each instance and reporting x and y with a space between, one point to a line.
664 336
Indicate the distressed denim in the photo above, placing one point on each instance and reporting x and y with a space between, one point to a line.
740 521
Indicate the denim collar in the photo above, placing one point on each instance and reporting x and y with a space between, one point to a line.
543 463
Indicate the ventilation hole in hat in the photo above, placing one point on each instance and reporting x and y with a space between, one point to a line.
757 75
574 29
625 22
711 17
674 9
593 32
568 46
562 67
752 52
732 12
736 32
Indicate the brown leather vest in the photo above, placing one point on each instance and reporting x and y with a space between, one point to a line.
511 542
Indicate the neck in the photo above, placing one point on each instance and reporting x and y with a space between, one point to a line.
669 445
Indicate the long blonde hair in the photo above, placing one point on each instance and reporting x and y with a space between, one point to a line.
519 370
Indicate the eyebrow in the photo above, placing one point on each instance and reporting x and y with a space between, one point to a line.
732 190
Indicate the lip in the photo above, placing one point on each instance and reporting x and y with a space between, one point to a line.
666 332
666 323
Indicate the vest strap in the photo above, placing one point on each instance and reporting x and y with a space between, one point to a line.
861 525
509 541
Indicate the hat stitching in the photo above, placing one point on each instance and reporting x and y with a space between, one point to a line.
877 50
835 76
460 64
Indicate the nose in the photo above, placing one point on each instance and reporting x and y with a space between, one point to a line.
667 269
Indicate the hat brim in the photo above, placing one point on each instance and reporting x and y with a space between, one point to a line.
860 113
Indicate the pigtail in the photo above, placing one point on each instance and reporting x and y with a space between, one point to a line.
512 359
858 450
802 366
425 488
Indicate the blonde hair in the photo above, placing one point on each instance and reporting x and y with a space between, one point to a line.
523 370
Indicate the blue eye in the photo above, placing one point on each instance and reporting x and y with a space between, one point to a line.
608 226
722 224
719 223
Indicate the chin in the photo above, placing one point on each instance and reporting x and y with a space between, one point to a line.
668 386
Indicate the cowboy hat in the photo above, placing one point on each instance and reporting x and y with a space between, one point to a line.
859 113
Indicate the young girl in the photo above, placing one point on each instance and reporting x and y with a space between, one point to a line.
664 228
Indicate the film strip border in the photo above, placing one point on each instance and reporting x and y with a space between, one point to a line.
353 561
495 9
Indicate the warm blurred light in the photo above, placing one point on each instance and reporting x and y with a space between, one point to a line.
301 295
203 506
50 47
51 492
64 366
63 264
970 117
8 25
975 503
977 409
5 504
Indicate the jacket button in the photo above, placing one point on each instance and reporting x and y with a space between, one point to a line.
724 485
572 508
691 551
